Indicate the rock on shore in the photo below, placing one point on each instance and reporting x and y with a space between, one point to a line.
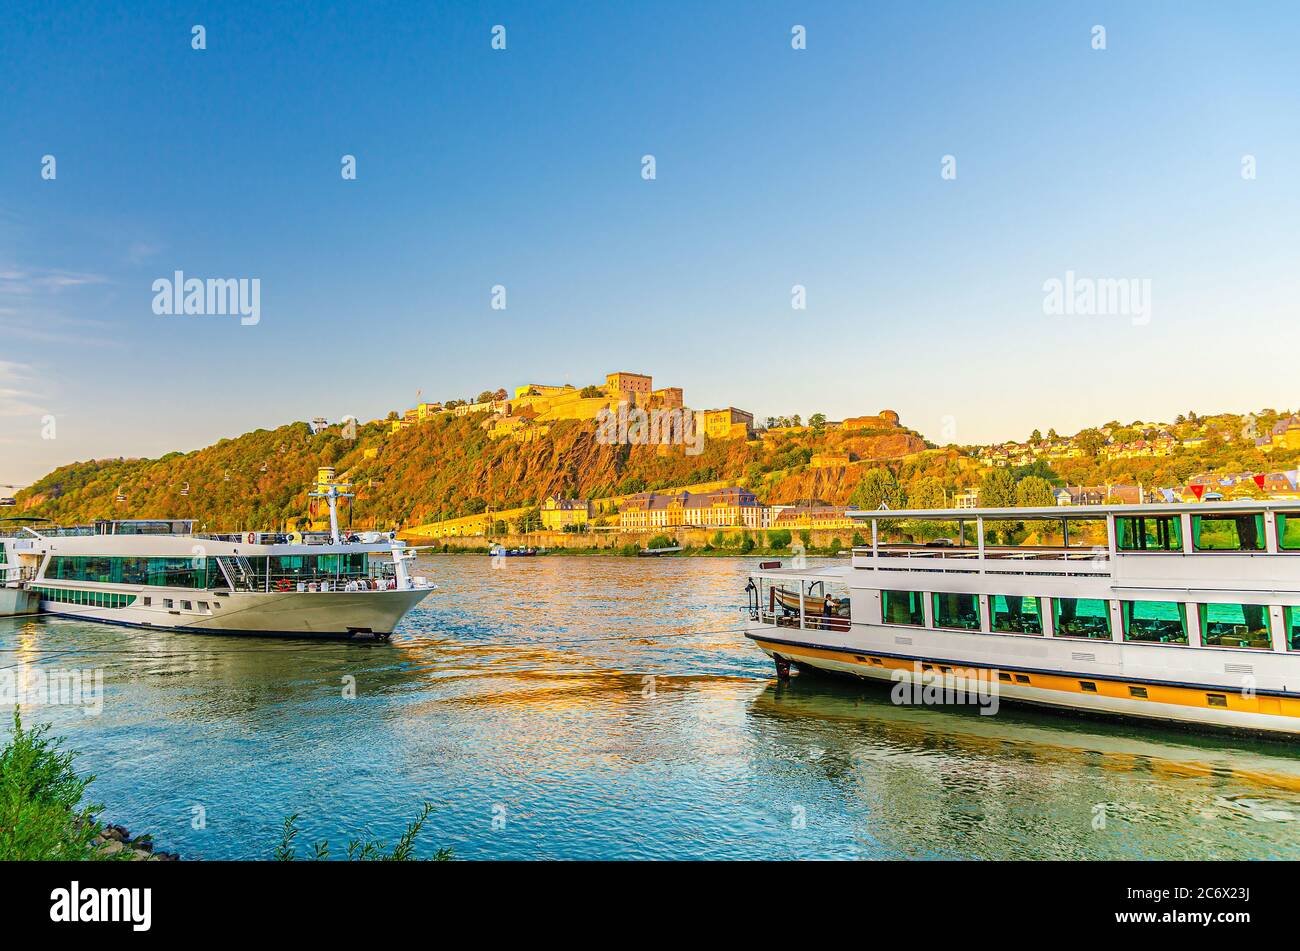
114 839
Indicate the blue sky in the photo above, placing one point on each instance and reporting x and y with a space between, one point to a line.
522 167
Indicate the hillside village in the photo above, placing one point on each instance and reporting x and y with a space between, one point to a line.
732 504
531 462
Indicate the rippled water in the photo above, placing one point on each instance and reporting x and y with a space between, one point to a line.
611 708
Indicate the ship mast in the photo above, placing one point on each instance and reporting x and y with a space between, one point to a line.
326 488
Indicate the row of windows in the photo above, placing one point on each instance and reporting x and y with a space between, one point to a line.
1226 532
173 572
169 604
96 599
1161 622
312 566
198 571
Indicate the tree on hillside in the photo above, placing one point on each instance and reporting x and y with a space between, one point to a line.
817 420
1032 491
998 489
878 487
927 493
1090 441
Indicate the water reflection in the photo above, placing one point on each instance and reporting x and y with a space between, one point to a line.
610 707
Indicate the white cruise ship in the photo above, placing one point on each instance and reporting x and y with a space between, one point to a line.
160 574
1188 613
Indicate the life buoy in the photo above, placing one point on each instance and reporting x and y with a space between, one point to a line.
252 538
282 585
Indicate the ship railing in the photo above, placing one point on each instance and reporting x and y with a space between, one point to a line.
811 622
281 538
998 560
383 571
62 531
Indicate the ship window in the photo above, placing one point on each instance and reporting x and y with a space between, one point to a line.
175 572
168 603
187 606
1228 532
1217 699
1291 627
955 610
1235 625
1148 533
148 602
1288 531
1081 617
1157 622
1087 686
1014 614
1004 676
1022 679
902 607
1139 692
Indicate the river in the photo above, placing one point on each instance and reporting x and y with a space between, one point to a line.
603 707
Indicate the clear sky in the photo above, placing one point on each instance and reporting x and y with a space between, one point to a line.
523 167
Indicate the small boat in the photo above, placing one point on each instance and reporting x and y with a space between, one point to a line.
500 551
813 604
656 552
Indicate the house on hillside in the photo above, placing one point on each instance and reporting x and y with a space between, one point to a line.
559 514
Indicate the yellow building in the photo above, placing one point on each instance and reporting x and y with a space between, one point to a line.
722 508
729 423
885 419
558 514
1285 435
669 397
633 387
797 517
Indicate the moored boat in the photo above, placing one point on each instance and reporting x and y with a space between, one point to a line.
159 573
1186 613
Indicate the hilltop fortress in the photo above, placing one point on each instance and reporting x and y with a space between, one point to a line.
526 416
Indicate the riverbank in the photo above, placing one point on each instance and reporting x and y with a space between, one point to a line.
634 551
116 842
694 542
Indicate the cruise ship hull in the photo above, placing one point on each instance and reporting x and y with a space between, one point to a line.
1037 676
334 614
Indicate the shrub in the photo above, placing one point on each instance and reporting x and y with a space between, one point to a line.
778 538
39 797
